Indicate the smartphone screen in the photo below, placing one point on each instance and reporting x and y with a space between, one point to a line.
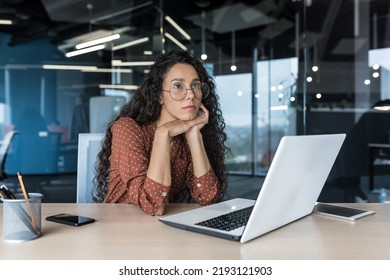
70 219
339 211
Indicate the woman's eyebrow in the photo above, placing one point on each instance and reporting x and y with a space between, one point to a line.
182 80
177 79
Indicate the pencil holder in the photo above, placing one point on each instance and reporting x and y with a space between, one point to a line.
22 218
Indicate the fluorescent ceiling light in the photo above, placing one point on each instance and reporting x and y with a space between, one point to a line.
98 41
68 67
6 22
116 61
279 108
178 28
126 87
133 63
87 50
18 66
132 43
86 37
108 70
173 39
84 68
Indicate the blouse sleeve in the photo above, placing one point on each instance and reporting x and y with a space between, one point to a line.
129 162
205 189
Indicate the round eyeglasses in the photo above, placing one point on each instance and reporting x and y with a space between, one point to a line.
178 90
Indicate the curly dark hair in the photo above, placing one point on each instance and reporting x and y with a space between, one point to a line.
144 107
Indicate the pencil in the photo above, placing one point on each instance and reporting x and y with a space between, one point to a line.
19 210
25 194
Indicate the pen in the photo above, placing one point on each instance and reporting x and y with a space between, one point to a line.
6 192
2 193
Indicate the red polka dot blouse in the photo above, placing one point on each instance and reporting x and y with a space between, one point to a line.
128 183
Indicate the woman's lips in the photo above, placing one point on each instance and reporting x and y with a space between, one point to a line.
189 107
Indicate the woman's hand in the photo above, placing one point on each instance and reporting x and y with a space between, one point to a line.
203 117
177 127
162 141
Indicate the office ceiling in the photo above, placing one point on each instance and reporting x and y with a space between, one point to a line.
261 24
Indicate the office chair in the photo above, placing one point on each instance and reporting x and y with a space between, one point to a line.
4 148
88 147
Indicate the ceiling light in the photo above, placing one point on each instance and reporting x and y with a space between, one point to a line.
279 108
173 39
203 30
84 68
108 70
6 22
68 67
126 87
98 41
233 67
131 63
87 50
132 43
178 28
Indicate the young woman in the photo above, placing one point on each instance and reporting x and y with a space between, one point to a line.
168 143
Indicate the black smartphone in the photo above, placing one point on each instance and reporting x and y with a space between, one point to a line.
342 212
70 219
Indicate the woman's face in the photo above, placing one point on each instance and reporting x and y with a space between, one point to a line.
186 109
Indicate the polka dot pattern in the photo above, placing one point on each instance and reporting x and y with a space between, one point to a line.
128 183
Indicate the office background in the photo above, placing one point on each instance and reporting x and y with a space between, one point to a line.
282 67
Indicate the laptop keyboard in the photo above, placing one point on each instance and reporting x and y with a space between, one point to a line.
229 221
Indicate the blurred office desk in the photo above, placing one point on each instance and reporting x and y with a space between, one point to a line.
125 232
378 157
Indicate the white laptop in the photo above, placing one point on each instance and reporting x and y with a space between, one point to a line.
290 190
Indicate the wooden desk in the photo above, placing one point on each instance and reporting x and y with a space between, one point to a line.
124 232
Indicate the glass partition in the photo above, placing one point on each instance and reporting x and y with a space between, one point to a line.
281 67
235 91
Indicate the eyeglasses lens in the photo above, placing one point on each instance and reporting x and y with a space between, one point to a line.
178 91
